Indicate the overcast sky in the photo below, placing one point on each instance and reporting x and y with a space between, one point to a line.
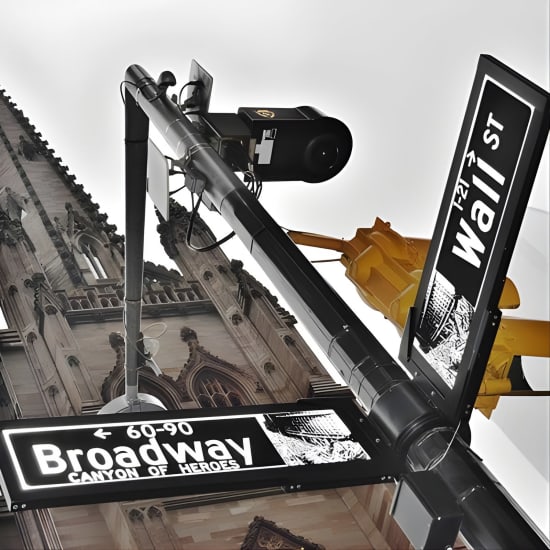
398 73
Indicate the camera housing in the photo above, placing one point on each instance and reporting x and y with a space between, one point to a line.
279 144
301 143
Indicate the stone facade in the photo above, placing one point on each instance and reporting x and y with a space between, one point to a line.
224 341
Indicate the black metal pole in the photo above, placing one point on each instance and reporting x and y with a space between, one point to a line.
137 135
416 430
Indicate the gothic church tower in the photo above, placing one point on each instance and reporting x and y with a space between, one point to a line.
62 290
224 341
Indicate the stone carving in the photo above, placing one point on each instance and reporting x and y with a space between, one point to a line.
10 230
116 340
269 367
75 221
12 203
236 318
50 309
58 225
267 535
26 148
251 289
175 230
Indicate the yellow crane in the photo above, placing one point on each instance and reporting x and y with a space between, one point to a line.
386 269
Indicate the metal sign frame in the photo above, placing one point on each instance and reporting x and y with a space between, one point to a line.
452 326
77 460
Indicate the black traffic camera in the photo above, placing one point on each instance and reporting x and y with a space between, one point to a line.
276 144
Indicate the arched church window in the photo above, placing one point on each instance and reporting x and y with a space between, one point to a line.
89 251
214 389
92 298
234 399
205 402
170 293
220 400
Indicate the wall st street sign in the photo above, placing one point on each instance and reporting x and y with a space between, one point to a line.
61 461
455 317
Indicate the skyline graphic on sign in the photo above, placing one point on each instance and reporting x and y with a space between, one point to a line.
444 328
312 437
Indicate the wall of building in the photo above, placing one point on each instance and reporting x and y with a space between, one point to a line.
62 290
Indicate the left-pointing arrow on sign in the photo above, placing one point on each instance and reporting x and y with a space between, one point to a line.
101 434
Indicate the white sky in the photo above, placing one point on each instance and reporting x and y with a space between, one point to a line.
398 73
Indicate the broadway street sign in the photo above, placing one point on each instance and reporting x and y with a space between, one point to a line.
74 460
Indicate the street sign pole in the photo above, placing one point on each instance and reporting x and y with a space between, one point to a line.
136 146
137 135
415 429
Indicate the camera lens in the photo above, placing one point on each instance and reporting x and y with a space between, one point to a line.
321 154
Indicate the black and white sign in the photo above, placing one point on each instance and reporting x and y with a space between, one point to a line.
135 456
499 149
